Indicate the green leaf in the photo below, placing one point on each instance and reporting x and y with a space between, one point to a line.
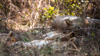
26 39
93 34
0 6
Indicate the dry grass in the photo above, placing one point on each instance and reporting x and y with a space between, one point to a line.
80 45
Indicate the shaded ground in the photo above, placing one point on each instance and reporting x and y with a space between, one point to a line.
81 42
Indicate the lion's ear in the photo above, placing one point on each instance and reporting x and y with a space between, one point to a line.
68 22
10 34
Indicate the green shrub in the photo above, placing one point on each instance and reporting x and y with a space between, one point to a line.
48 13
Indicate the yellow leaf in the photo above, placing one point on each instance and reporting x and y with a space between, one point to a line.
53 0
45 14
73 14
26 14
71 0
45 9
74 0
48 16
68 13
68 1
51 8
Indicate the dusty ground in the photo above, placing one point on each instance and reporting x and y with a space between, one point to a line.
78 43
